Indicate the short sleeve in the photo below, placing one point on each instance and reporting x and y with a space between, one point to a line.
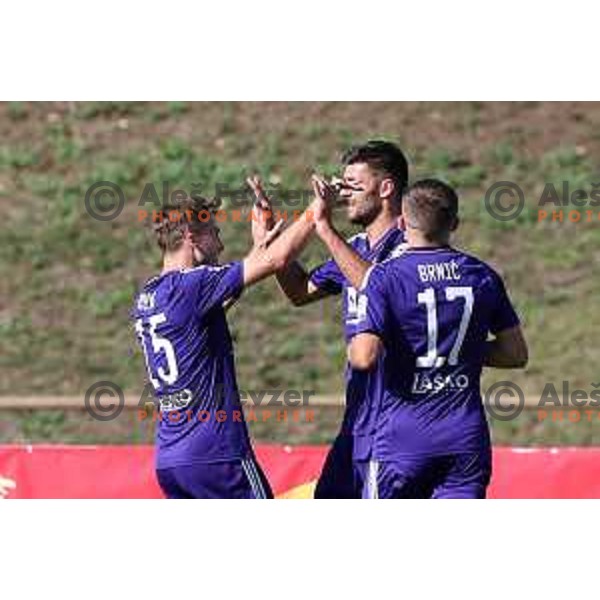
371 314
212 286
328 277
503 315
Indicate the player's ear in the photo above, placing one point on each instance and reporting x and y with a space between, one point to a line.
455 224
401 223
386 188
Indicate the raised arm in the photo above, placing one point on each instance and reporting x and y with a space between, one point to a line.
292 278
295 283
350 263
268 258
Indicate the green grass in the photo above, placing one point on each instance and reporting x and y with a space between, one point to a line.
18 157
93 110
66 281
17 111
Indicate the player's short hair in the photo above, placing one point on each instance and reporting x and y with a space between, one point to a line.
431 206
171 222
383 157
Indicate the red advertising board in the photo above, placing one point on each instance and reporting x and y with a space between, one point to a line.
128 471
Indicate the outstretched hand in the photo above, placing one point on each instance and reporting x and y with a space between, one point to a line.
264 226
322 205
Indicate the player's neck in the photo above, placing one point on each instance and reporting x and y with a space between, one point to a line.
175 261
382 224
416 240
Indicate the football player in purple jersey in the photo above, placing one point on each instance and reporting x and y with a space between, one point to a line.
427 316
202 444
374 177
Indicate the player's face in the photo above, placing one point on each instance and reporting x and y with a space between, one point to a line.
206 244
360 193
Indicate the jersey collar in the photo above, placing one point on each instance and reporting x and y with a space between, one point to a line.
385 241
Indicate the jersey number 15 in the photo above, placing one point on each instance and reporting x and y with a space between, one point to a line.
159 345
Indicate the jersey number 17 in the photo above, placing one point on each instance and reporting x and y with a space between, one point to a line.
427 297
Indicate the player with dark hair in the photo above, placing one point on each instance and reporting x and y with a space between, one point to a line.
202 444
427 315
375 175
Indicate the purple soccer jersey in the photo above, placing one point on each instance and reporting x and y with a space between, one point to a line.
330 278
182 329
433 309
361 388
